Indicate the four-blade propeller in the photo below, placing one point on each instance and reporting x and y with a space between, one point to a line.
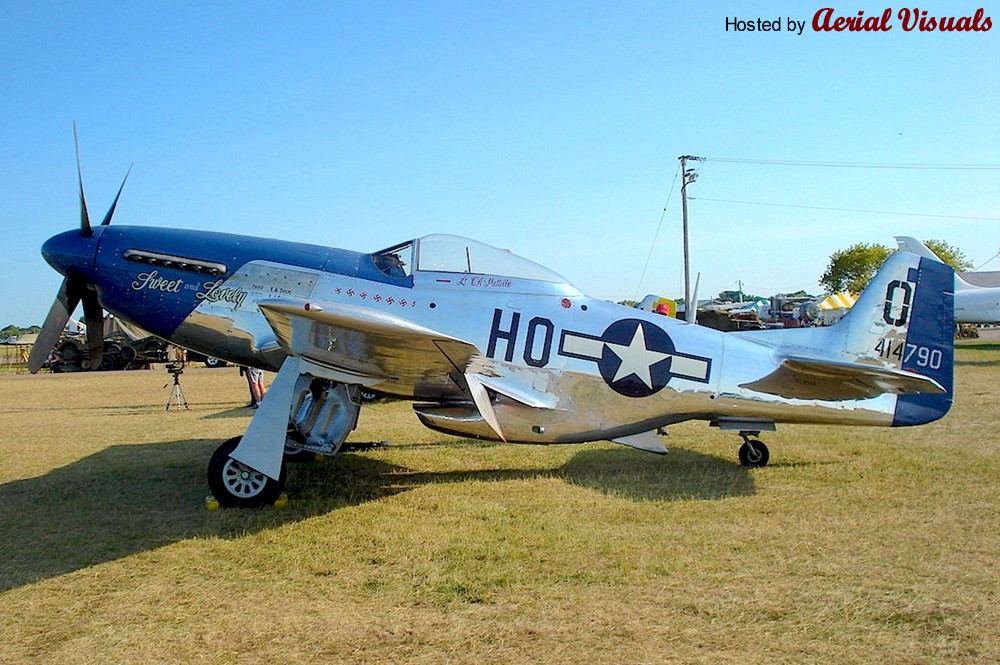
75 290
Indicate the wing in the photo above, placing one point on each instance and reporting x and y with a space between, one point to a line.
376 348
814 378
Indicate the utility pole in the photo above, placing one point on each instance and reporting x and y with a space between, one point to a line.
687 176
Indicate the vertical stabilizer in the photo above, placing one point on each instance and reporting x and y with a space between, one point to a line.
904 320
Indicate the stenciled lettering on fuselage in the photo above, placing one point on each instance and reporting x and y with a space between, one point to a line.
635 358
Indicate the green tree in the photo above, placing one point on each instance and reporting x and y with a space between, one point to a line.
851 269
950 254
734 296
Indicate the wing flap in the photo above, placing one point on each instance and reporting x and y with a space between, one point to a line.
814 378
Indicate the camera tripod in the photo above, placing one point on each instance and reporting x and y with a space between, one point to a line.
177 397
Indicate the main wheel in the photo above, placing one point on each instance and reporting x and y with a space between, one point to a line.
236 485
754 453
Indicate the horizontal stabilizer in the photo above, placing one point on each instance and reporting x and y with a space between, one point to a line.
812 378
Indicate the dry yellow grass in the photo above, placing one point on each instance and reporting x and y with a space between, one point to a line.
855 546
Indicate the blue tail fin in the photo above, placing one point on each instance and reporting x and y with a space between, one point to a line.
930 337
905 320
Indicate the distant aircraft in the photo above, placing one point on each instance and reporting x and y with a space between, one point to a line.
490 345
973 304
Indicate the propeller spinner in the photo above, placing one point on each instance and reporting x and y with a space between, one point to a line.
69 252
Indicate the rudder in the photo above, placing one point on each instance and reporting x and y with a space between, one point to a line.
904 320
930 343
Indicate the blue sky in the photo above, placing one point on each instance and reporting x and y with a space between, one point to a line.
549 128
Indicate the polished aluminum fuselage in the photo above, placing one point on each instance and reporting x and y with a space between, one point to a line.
533 320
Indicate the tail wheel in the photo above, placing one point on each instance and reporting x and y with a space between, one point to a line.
236 485
753 453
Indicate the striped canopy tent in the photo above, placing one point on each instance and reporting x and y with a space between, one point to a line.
842 300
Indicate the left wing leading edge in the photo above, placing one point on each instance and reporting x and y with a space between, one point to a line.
374 348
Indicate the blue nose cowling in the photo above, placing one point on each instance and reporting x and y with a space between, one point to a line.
71 252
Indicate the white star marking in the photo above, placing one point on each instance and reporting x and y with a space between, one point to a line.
636 358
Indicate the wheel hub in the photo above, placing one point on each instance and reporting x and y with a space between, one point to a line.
241 480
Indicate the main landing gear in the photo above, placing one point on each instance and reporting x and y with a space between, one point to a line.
753 452
301 417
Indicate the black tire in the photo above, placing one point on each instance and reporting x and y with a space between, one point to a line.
756 456
107 363
212 361
235 485
128 355
367 395
69 350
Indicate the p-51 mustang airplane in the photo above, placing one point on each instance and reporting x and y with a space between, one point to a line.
491 345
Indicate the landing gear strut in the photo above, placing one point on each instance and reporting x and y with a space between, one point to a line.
753 453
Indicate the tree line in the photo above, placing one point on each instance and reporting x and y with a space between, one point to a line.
851 269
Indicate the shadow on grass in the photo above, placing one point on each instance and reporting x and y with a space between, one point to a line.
981 360
977 363
129 499
978 346
236 412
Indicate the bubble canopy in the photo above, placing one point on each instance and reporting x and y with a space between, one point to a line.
455 254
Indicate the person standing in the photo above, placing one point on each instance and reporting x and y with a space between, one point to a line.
255 382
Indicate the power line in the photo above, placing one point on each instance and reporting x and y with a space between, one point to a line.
988 260
858 165
867 212
657 234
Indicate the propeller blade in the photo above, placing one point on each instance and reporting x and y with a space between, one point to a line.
111 210
85 229
66 301
94 315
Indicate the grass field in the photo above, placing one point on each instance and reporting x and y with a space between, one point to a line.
854 546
